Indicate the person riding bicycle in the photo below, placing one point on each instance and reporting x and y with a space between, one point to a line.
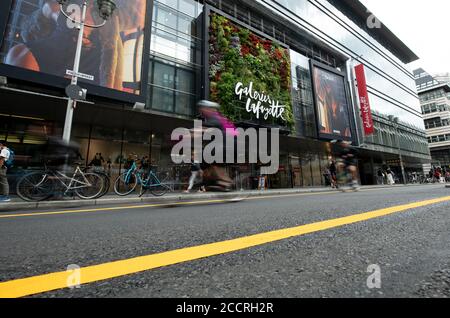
349 157
215 176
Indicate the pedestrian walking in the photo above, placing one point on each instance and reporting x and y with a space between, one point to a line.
333 174
380 177
327 176
390 177
196 172
5 162
437 175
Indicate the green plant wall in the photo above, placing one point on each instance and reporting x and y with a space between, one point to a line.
238 55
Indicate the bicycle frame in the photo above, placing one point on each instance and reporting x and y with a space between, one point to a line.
148 181
73 183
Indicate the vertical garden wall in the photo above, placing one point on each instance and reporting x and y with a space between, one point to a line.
261 66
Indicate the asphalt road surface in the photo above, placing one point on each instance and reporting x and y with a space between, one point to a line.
407 250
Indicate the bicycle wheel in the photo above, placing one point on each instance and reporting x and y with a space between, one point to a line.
35 186
91 191
106 184
162 188
125 184
106 180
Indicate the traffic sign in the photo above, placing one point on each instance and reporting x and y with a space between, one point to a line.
80 75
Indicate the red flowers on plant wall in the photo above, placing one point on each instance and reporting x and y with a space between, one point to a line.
236 55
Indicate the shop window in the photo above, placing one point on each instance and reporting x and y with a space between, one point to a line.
316 170
306 172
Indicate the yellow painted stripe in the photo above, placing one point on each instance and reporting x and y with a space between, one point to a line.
58 280
143 206
117 208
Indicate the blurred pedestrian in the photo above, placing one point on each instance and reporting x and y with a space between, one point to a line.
390 176
333 174
4 185
380 177
196 172
327 176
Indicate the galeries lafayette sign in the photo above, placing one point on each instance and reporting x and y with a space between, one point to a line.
366 112
258 103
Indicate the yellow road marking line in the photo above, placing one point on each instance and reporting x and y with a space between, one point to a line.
58 280
107 209
155 205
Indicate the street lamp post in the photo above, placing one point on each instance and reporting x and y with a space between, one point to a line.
394 121
105 9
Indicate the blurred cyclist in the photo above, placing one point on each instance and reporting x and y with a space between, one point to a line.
348 155
215 176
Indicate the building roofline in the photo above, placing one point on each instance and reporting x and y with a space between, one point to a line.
431 88
360 14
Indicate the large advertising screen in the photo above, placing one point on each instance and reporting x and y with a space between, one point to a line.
39 38
332 105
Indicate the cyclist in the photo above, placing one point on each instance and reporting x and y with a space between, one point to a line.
215 176
348 155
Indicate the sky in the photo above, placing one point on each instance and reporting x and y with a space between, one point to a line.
421 25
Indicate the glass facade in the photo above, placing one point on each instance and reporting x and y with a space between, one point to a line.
174 57
302 96
386 74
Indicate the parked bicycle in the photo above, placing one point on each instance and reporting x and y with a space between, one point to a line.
40 186
102 173
127 182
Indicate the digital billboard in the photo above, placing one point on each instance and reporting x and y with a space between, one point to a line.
41 39
332 105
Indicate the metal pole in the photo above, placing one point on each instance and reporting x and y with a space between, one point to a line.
71 104
400 156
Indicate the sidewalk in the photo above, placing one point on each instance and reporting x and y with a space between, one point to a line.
18 205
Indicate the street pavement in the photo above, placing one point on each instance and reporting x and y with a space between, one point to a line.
410 248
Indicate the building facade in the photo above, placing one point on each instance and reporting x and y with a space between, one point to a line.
434 96
172 53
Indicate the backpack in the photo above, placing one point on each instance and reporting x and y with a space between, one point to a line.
10 162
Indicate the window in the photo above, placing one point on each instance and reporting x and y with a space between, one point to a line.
164 75
172 88
174 65
162 99
302 96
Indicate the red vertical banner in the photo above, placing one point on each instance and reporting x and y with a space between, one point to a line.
366 113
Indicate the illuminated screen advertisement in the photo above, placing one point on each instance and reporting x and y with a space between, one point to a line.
332 106
39 38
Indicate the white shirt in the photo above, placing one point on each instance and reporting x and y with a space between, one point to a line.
5 153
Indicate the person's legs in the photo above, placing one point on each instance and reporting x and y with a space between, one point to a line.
4 186
192 180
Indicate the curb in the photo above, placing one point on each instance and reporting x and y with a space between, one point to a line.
171 198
